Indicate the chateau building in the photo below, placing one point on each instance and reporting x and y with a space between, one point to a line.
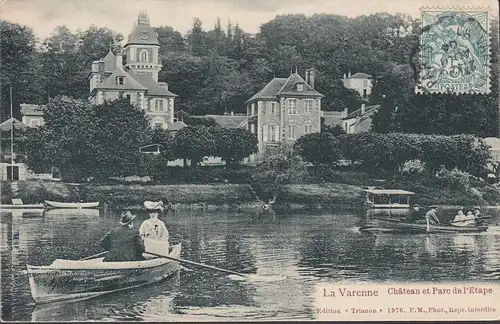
137 78
284 110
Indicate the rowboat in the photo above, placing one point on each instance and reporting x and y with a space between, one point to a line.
55 204
395 225
65 280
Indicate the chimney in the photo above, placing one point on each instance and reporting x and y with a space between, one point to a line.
307 76
349 75
362 109
311 77
345 76
344 113
232 113
119 59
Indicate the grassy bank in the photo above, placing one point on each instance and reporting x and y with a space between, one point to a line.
188 196
336 189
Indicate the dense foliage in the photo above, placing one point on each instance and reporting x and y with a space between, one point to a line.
214 70
389 152
103 141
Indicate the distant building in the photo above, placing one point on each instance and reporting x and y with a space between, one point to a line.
334 118
494 144
360 120
138 79
229 121
361 82
8 170
32 115
284 110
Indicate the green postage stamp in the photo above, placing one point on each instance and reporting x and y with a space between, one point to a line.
454 51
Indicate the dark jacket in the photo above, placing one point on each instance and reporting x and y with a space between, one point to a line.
123 244
413 216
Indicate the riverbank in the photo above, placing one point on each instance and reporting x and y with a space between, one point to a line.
244 197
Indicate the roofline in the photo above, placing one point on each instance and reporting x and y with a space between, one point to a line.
393 191
135 43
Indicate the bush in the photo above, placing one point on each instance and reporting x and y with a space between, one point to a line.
6 192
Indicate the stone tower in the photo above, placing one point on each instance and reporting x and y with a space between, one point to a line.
142 49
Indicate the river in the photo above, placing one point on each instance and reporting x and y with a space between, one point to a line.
306 249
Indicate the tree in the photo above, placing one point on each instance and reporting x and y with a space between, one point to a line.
318 148
197 39
85 140
234 144
19 68
278 170
170 40
194 143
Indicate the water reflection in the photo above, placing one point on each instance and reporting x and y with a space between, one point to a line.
306 249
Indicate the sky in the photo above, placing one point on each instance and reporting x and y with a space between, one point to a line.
119 15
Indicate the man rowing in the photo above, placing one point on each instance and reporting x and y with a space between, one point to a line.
413 214
431 215
123 242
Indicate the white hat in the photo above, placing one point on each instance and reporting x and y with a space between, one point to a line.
153 205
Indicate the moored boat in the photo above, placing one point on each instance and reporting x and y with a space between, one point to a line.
394 225
55 204
84 279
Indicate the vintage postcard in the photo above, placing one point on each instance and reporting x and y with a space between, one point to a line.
231 160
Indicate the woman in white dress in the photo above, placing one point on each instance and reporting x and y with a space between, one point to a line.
154 228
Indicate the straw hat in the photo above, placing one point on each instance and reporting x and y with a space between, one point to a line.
126 218
153 205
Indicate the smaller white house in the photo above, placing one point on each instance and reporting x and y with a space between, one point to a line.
361 82
360 120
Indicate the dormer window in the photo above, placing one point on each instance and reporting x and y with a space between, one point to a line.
300 87
120 80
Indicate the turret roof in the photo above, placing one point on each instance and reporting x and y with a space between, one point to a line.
143 33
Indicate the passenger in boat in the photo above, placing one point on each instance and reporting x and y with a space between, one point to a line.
469 219
153 227
431 215
460 216
413 215
123 242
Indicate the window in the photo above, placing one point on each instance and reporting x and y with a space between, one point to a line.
159 125
120 94
143 56
300 87
365 83
274 108
120 80
291 132
364 93
158 104
271 133
292 106
128 98
308 105
308 129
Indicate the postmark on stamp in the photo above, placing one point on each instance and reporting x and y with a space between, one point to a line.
454 51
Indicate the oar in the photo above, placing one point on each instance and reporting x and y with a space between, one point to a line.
199 264
94 256
467 220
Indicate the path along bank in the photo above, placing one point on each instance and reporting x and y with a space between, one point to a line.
237 197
